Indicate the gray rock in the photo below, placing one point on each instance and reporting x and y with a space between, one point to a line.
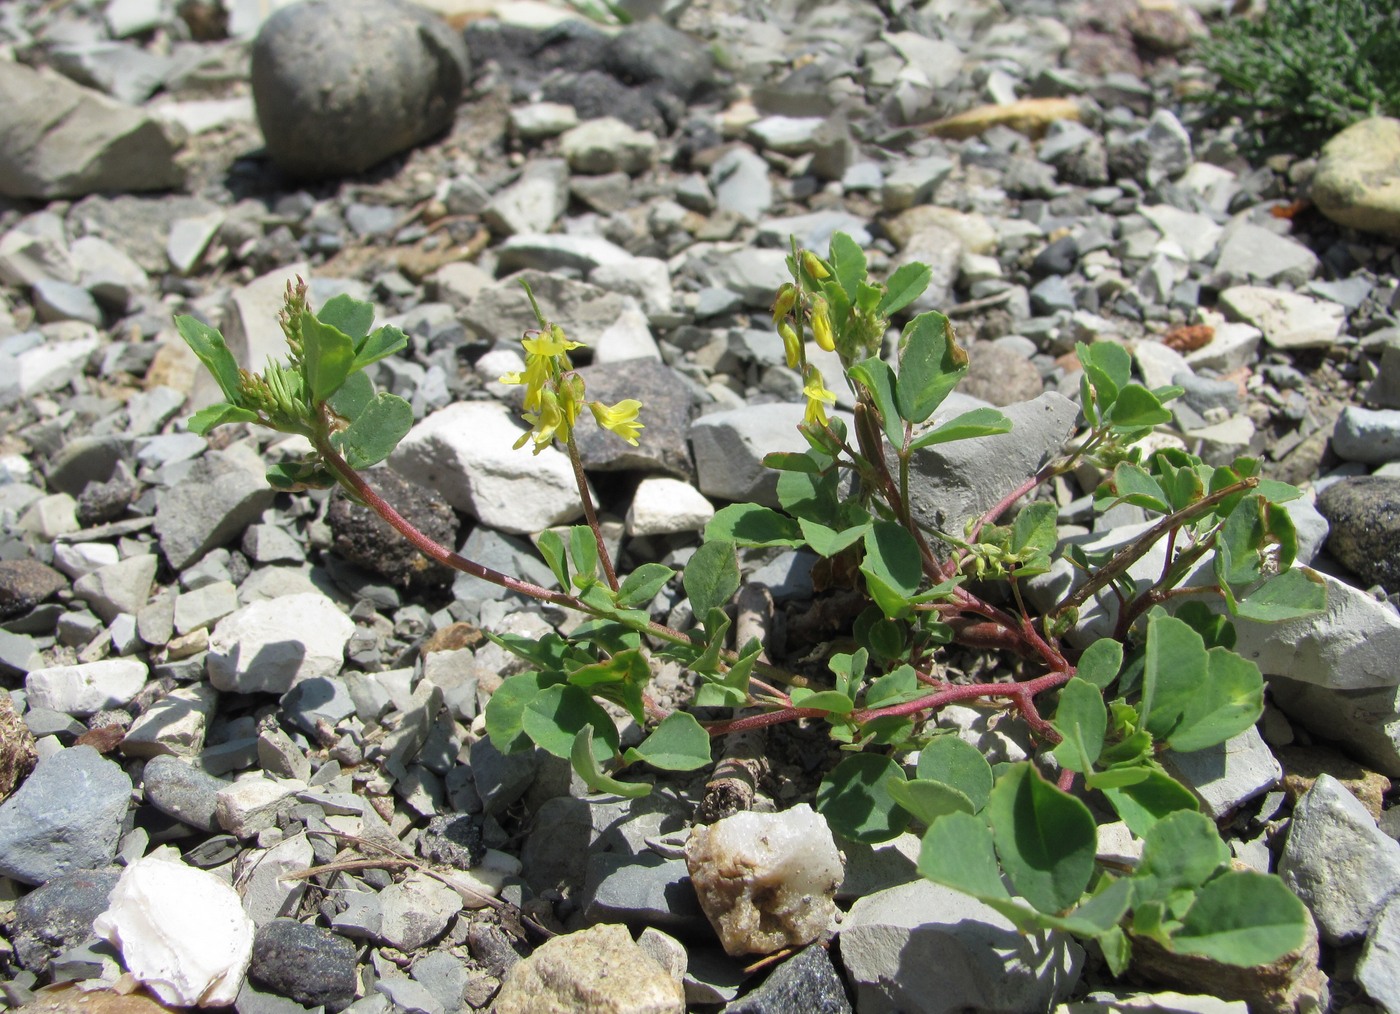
729 449
309 964
396 81
927 948
1253 253
608 145
642 890
650 52
444 976
1364 515
501 779
270 646
739 179
66 816
366 540
59 914
409 995
1367 721
1225 776
87 687
208 508
58 139
126 72
361 917
806 983
533 202
55 300
186 793
1338 861
1378 971
454 840
1159 152
666 414
813 231
270 879
949 483
120 587
1371 436
558 251
1287 319
416 910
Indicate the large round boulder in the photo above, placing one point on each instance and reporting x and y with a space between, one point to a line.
341 85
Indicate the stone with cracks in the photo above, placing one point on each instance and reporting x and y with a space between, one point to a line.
1338 861
465 452
600 970
925 947
87 687
1378 971
182 932
766 880
415 911
270 646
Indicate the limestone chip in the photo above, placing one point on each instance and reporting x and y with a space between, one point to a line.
599 970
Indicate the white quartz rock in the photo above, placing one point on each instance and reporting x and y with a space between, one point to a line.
182 932
766 880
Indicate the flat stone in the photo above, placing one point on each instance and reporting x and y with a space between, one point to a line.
182 791
608 145
663 445
120 587
269 882
464 451
26 583
925 947
271 645
209 507
1252 252
558 251
644 890
1338 861
308 964
204 606
1371 436
739 180
67 815
1287 319
1357 183
1225 776
729 448
533 202
175 724
1378 971
58 915
255 803
87 687
664 506
415 911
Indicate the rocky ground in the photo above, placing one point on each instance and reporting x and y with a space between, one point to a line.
262 685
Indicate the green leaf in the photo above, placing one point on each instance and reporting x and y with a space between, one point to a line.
748 524
505 712
1101 913
979 422
1101 662
906 285
1034 536
327 357
847 264
216 415
583 551
822 700
957 852
640 587
1241 536
1108 360
927 800
678 743
619 678
1046 838
384 342
949 760
1174 672
1082 719
826 541
585 761
1137 408
711 577
893 567
1215 629
931 362
1294 593
293 476
1117 950
1133 485
352 397
208 344
855 800
554 716
348 315
809 496
1144 803
849 670
878 380
1243 918
1183 849
551 547
373 436
1231 701
885 640
787 461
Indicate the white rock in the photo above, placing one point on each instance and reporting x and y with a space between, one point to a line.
1288 320
77 559
88 687
1234 345
1378 971
646 279
1338 861
415 911
1196 234
119 588
664 506
1153 1003
543 119
627 337
477 886
766 880
181 932
607 145
1226 775
729 448
272 645
254 803
52 365
175 724
1158 363
464 451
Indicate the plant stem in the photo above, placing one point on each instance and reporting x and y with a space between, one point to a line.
589 513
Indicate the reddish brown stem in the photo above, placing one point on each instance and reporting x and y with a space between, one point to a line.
590 514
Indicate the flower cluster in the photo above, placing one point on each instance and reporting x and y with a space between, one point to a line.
788 317
554 393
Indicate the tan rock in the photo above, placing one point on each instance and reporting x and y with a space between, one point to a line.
1031 117
18 754
1302 765
594 971
976 232
69 999
1357 182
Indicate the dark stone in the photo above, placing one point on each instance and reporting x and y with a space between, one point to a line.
1364 513
100 502
396 79
26 583
182 791
1059 258
364 539
663 445
655 53
455 840
805 984
52 918
309 964
595 94
85 460
526 56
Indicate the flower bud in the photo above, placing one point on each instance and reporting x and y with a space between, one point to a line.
787 298
791 344
814 266
821 326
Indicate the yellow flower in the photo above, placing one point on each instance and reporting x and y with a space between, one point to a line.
551 421
551 344
814 265
620 418
817 397
792 345
821 326
783 304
